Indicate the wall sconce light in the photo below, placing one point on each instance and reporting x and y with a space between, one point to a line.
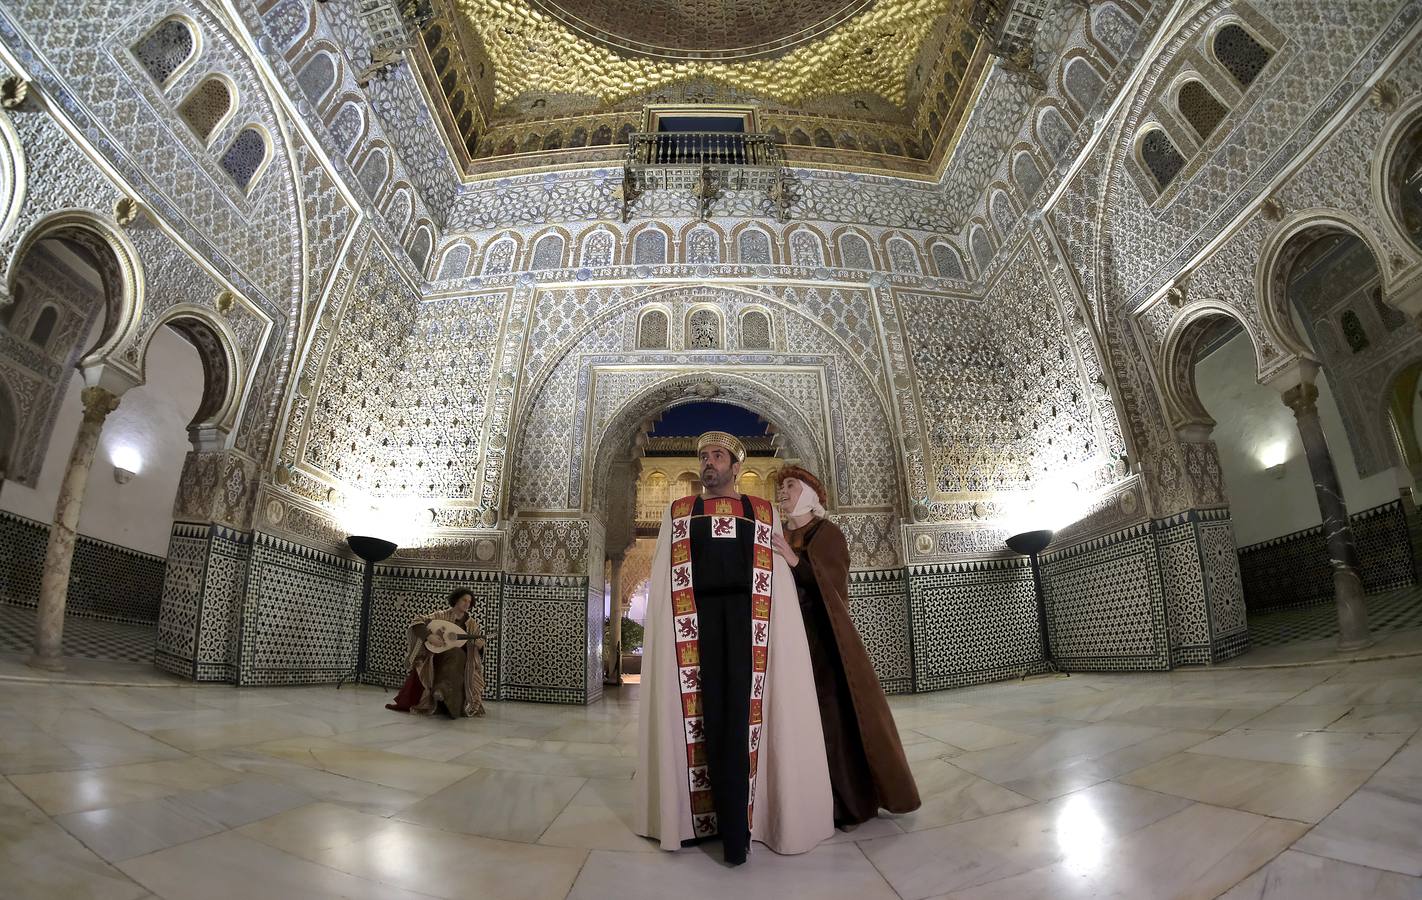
1276 471
127 462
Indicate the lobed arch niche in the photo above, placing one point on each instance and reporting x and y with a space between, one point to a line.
216 413
619 442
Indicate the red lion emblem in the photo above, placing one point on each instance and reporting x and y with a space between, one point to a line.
691 679
696 731
759 686
762 534
679 529
705 824
699 779
687 627
760 632
681 577
762 582
723 527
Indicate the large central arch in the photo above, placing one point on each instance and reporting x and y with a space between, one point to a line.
810 380
616 437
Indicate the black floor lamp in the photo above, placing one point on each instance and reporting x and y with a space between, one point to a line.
372 550
1030 544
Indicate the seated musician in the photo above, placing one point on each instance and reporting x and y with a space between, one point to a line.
442 674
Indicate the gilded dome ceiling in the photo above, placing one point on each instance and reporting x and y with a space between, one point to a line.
702 29
885 79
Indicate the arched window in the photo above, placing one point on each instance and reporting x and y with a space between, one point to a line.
206 107
652 331
1026 174
318 77
373 172
1161 158
43 328
455 262
1200 108
703 246
441 59
749 483
498 258
703 330
980 247
753 247
399 210
164 49
1003 215
346 127
420 248
649 247
1240 54
805 249
548 252
1082 83
597 249
903 257
1053 132
244 157
946 259
1113 28
654 497
755 330
854 252
1353 331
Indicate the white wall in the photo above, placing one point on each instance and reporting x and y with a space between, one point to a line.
151 419
1255 427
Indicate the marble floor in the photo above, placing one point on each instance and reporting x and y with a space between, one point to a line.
1294 782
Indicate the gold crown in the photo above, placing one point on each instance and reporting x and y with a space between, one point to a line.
728 442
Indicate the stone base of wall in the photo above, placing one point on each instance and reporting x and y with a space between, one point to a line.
1293 571
108 582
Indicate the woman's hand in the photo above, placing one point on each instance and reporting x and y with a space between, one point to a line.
782 546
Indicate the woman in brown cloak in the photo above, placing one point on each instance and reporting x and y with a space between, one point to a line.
454 677
868 769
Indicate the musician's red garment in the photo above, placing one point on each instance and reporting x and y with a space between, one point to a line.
410 693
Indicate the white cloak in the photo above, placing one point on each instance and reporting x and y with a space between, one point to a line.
794 806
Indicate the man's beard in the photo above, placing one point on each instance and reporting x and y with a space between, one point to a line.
712 478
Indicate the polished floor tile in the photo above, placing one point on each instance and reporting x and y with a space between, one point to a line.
1251 783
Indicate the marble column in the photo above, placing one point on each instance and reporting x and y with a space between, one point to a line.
1342 551
59 555
614 626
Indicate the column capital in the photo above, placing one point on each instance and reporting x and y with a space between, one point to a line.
1302 399
98 403
1297 371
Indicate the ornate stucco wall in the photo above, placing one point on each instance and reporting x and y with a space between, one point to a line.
471 361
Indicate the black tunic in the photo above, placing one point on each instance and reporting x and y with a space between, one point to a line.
721 572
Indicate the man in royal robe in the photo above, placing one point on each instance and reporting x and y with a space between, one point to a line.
729 737
868 768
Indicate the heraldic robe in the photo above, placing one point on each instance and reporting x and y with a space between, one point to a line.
726 708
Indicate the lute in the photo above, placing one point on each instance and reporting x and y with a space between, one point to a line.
442 635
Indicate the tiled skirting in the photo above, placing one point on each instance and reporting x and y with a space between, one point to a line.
402 593
1293 571
107 581
263 610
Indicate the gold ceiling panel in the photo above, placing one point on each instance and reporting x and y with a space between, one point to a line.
871 53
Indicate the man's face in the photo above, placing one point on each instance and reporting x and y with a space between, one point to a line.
462 604
718 468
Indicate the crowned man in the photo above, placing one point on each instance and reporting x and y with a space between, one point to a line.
729 739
